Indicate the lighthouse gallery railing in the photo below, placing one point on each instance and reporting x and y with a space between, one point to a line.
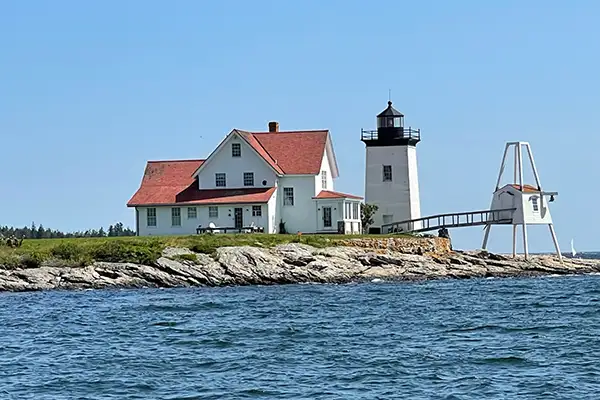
408 133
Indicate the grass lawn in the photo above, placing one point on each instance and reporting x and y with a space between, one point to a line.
143 250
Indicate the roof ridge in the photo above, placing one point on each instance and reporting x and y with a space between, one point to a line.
333 191
180 160
295 131
267 152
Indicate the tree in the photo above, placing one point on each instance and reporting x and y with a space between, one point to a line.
39 234
118 229
366 215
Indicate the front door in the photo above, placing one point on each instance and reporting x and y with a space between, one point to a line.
238 218
327 217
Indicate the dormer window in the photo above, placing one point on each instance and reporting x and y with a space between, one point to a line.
236 150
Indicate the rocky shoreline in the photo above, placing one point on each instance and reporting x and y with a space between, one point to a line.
287 264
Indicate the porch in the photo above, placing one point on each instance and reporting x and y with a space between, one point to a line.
340 216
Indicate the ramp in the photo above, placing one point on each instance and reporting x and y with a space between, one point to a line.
452 220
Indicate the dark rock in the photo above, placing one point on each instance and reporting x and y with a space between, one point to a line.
290 263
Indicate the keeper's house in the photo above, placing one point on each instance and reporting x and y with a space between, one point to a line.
258 179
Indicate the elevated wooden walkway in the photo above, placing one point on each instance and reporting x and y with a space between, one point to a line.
452 220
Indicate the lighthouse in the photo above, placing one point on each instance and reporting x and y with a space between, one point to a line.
391 178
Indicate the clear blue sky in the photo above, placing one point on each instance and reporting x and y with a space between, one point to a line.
91 90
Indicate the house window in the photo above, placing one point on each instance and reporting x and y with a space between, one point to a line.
236 150
176 216
387 173
324 179
347 210
220 179
248 178
151 217
534 203
213 212
257 211
355 207
192 213
288 196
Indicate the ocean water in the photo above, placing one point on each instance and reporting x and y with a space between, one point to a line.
454 339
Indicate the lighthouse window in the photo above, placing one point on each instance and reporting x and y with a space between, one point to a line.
387 173
534 203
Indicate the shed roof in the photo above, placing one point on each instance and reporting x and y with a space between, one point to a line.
526 188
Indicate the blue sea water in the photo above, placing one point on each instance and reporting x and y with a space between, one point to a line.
453 339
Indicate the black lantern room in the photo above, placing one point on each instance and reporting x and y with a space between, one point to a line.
390 118
390 130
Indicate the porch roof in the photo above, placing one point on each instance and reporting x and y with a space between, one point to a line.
330 194
162 196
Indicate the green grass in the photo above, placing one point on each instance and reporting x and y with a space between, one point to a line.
144 250
186 257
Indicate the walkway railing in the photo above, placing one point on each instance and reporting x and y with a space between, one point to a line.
452 220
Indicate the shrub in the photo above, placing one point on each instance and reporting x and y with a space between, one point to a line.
67 251
186 257
367 211
33 259
204 247
127 251
9 261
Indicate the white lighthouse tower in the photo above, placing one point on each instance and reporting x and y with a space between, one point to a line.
391 179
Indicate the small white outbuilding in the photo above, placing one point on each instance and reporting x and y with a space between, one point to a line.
522 203
527 202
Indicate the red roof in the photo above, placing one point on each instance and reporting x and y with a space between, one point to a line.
291 152
330 194
192 195
171 182
526 188
255 144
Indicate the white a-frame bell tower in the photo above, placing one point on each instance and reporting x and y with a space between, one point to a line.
522 203
391 179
